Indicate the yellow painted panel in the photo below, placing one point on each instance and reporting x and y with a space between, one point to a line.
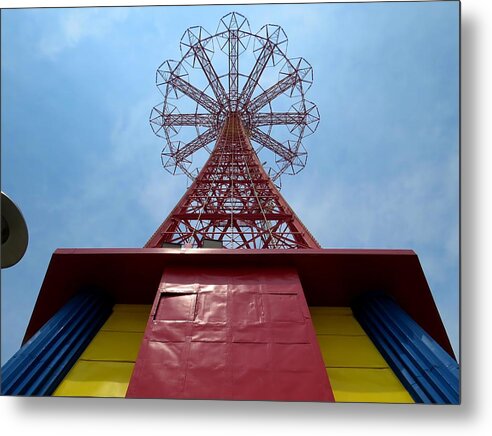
367 385
115 346
336 325
122 321
105 367
96 379
350 351
356 369
330 311
144 308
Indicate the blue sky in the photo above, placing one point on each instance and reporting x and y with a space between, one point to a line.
79 157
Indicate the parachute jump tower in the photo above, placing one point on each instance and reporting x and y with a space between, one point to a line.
233 199
232 297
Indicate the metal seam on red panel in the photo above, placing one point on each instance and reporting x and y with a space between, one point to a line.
294 379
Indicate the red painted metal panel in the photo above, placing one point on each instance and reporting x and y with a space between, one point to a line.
175 307
230 333
333 277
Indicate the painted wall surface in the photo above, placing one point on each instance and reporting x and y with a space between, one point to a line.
428 372
356 369
105 367
45 359
230 333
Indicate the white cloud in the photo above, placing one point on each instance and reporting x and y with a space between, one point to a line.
160 194
124 194
415 208
77 25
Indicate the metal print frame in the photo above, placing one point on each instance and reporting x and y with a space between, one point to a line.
274 276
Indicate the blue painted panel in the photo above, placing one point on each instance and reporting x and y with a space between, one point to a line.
428 373
40 365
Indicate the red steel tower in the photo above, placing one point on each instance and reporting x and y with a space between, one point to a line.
233 200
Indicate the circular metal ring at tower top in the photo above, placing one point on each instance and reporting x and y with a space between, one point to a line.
303 73
169 72
273 35
196 38
308 118
168 158
293 166
250 78
233 21
233 28
162 120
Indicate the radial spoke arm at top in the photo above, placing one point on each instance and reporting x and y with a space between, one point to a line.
272 144
273 92
210 73
194 93
205 120
233 69
277 118
199 142
256 73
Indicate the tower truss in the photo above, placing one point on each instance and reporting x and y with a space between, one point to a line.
244 130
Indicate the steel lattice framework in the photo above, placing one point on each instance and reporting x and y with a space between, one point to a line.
234 198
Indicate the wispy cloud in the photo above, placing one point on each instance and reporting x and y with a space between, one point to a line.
416 208
79 24
124 184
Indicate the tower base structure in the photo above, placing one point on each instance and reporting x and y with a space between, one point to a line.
286 325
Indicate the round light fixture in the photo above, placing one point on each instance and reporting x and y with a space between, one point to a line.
14 233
